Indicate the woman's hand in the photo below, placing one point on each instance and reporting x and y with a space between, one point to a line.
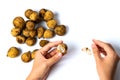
106 65
45 58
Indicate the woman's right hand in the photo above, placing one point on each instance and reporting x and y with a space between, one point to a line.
106 65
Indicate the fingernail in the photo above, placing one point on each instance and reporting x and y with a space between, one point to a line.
60 54
94 40
59 41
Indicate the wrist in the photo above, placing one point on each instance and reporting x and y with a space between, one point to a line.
33 78
106 79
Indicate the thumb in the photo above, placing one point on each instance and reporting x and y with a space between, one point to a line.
96 52
54 59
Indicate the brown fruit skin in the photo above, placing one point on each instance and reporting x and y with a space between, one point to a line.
26 32
42 43
26 57
48 33
20 39
33 53
40 31
32 33
62 48
30 41
28 12
42 13
34 16
48 15
13 52
19 22
30 25
51 23
15 31
60 30
29 33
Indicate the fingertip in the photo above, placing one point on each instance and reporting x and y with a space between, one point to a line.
60 41
94 40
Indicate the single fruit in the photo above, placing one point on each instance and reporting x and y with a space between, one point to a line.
62 48
13 52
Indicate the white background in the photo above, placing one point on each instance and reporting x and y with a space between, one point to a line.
85 20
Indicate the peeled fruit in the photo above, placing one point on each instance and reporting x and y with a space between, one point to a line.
62 48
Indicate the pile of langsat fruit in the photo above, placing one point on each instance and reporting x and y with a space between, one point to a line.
29 31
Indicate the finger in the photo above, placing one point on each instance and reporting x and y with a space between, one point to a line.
39 55
48 46
54 59
107 47
96 52
51 53
101 50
